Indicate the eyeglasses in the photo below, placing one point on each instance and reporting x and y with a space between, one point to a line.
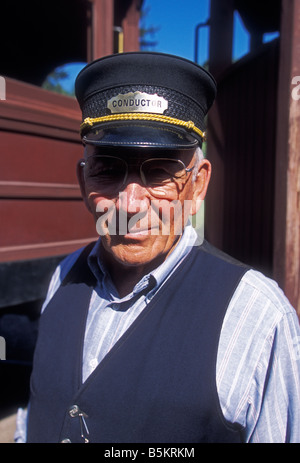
159 175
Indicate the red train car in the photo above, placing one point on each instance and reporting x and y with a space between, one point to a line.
42 215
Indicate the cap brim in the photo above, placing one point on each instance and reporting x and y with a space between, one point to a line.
141 135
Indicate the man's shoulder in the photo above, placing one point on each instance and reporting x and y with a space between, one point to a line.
259 297
267 289
255 289
68 262
207 247
63 270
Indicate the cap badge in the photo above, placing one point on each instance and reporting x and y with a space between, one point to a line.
137 102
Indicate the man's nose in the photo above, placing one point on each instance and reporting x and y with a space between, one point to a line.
134 196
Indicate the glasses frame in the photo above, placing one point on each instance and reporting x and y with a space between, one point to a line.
141 173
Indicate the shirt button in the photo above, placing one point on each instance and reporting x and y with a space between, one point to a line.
66 441
93 363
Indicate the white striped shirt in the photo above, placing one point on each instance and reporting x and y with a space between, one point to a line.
258 364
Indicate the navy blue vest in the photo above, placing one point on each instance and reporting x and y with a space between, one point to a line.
158 383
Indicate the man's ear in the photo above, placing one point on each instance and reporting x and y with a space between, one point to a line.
200 185
81 181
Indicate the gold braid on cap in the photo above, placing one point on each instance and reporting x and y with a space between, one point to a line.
189 125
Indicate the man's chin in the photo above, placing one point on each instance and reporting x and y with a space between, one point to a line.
138 249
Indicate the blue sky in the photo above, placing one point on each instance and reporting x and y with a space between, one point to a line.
176 21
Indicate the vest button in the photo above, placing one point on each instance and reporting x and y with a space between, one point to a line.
66 441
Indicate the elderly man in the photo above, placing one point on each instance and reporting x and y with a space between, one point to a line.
148 335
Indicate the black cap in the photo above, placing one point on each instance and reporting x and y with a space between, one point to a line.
144 99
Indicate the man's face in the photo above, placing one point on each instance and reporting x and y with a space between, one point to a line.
140 223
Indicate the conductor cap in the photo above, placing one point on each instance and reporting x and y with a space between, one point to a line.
144 99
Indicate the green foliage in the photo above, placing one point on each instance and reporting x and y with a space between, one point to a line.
53 84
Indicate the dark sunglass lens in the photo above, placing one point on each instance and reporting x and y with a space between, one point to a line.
160 171
108 172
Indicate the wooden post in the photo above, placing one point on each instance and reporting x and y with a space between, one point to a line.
130 27
287 181
220 58
221 34
102 28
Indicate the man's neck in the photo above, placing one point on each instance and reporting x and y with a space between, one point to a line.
125 277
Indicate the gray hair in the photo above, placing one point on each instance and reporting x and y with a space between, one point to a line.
199 157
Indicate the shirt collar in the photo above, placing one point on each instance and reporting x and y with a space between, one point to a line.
152 280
